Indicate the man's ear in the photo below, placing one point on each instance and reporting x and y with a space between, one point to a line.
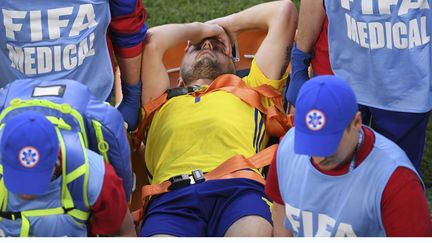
358 120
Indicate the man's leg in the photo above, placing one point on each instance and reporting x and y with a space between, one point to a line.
250 226
241 209
176 213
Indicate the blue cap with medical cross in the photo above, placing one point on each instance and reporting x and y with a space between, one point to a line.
29 147
325 106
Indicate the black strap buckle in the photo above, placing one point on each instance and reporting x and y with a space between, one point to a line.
10 215
174 92
184 180
179 181
198 176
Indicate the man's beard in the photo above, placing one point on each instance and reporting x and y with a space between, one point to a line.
205 68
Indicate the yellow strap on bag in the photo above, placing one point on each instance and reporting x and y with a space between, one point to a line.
103 145
25 224
63 108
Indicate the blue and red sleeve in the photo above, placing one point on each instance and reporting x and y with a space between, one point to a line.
127 29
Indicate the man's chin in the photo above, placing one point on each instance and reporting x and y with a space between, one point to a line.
205 60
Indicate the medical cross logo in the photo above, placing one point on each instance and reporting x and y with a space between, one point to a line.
315 120
29 157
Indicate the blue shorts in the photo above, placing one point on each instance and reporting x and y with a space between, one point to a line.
205 209
408 130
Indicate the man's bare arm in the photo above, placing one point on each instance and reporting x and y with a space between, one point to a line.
311 19
279 18
278 221
159 39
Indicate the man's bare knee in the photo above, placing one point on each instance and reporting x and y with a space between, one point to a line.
250 226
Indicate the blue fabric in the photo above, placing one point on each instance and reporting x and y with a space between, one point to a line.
317 204
129 39
206 209
326 105
122 7
300 62
384 51
63 39
130 105
408 130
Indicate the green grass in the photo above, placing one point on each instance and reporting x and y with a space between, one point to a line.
183 11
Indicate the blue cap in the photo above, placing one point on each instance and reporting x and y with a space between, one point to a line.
29 148
325 106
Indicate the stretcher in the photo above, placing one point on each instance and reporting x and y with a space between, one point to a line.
246 47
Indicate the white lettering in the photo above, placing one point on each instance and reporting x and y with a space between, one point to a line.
29 61
385 6
352 28
16 55
307 218
346 4
85 11
57 58
367 7
292 212
10 27
60 22
398 30
401 35
69 62
414 34
362 34
44 57
408 4
91 46
376 35
425 37
55 23
35 25
345 230
389 37
325 225
83 49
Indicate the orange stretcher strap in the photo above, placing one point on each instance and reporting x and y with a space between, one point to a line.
224 170
277 122
233 167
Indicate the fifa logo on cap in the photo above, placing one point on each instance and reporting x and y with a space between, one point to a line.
315 120
28 156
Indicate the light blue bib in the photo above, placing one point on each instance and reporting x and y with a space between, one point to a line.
347 205
56 40
383 49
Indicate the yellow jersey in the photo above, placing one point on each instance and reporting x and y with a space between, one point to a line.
189 133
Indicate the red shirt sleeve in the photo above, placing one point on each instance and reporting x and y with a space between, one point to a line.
127 28
404 206
111 206
321 61
272 184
